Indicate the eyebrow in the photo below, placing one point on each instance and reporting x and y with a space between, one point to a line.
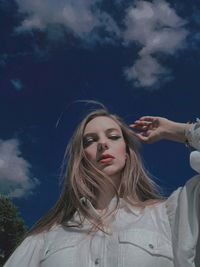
107 131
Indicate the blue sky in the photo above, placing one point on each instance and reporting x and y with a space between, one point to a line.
136 57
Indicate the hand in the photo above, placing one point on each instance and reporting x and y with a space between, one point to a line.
150 129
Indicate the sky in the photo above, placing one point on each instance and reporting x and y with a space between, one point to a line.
136 57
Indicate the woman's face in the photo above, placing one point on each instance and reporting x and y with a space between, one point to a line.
104 145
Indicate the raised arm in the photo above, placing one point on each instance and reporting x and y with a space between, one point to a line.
150 129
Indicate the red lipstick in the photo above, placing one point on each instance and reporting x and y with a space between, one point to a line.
106 158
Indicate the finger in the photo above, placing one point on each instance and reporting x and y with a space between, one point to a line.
138 122
147 118
140 125
143 122
142 137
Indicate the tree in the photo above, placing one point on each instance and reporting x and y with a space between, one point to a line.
12 228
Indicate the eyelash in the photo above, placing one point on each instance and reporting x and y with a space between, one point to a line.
90 140
114 137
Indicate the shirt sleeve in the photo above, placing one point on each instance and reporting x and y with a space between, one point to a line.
27 254
183 209
193 137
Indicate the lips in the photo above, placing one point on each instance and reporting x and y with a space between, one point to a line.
106 158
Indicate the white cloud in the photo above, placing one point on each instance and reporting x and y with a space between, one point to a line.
80 17
15 176
156 28
17 84
146 72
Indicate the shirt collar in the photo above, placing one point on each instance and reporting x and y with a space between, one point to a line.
122 204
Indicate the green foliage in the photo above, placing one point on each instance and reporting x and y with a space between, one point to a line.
12 228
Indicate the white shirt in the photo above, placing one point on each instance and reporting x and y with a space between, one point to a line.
162 235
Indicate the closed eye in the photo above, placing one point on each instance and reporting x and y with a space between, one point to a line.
114 137
88 141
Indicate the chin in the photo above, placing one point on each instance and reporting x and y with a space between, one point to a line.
110 171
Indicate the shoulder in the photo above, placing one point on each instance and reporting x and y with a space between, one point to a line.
31 240
154 202
28 252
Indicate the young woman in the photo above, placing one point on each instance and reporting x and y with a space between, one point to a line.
110 212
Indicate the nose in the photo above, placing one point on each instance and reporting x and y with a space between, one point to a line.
102 146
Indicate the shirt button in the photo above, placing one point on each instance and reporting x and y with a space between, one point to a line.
97 261
151 246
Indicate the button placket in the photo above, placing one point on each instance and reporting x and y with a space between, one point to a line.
97 261
96 248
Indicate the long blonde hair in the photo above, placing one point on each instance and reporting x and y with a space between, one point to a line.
82 179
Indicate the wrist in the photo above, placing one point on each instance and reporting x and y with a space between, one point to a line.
177 131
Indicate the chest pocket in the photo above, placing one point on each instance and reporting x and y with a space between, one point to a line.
139 245
61 252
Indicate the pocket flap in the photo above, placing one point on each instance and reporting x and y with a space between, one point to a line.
60 244
150 241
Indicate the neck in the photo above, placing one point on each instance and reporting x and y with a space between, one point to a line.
108 193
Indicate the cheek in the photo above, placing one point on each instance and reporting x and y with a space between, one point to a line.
90 153
121 150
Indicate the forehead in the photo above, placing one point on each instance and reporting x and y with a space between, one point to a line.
101 123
